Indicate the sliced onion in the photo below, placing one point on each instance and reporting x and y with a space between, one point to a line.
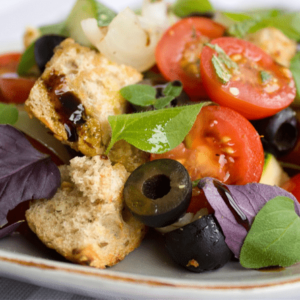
130 39
34 129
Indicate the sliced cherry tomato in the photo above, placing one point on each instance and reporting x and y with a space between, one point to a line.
221 144
13 89
258 87
177 53
293 186
199 201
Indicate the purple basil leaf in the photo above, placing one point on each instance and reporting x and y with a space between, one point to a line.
25 173
249 198
9 229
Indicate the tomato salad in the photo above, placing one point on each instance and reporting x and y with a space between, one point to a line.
238 108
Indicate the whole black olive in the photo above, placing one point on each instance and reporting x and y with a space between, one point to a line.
205 14
199 246
279 132
158 192
159 84
43 49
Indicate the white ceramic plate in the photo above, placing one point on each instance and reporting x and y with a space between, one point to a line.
148 272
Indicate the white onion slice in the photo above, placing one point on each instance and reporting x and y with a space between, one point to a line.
129 39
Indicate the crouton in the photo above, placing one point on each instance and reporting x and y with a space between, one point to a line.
275 43
86 220
77 92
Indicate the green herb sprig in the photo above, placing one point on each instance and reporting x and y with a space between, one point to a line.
274 237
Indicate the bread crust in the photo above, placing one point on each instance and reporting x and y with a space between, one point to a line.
94 81
86 220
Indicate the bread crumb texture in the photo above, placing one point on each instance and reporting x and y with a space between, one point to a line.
95 82
86 220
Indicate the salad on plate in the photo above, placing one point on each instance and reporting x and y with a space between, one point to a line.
175 118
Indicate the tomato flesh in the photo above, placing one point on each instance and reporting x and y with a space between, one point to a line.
293 186
221 144
13 89
247 92
177 53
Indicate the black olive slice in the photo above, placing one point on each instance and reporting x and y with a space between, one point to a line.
158 192
43 49
199 246
279 132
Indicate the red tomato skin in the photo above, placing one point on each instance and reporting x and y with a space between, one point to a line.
293 186
13 89
251 102
214 123
170 47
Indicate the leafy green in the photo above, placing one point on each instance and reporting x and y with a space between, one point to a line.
265 76
154 131
288 23
223 64
183 8
145 95
27 61
274 237
295 69
8 114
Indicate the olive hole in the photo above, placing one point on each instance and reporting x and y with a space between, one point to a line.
156 186
286 136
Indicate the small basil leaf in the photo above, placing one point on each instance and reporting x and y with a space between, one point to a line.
8 114
295 69
27 60
139 94
237 17
221 71
58 29
155 131
163 102
265 76
173 89
25 173
182 8
104 14
5 231
274 238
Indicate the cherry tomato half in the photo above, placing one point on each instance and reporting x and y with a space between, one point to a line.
13 89
258 88
177 53
221 144
293 186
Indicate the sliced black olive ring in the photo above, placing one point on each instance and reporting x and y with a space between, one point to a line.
158 192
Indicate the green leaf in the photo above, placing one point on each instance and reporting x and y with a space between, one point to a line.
139 94
173 89
58 28
155 131
265 76
8 114
163 102
221 71
182 8
104 14
27 60
237 17
274 237
295 69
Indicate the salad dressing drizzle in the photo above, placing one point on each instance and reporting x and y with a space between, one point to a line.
67 105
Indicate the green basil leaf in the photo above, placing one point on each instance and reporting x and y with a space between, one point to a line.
8 114
221 71
295 69
172 89
27 60
274 237
104 14
154 131
58 28
163 102
183 8
265 76
139 94
237 17
289 24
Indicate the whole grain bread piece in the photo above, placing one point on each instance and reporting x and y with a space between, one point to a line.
77 92
86 220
